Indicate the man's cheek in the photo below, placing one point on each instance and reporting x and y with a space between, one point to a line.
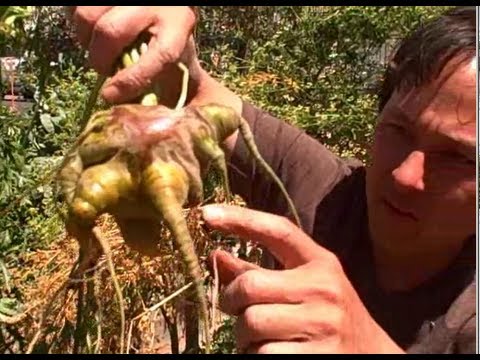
464 193
454 183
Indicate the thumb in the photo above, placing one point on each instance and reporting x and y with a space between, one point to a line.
229 267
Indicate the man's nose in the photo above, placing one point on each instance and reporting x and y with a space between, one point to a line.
409 174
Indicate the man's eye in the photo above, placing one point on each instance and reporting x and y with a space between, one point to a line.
470 161
463 159
456 158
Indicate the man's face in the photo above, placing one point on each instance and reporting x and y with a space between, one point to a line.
421 188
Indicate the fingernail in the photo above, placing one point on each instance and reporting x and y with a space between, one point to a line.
212 212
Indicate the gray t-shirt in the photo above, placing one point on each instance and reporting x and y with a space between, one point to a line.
329 193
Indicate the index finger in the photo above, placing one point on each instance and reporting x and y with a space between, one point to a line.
285 241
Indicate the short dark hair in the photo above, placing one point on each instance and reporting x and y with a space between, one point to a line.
421 56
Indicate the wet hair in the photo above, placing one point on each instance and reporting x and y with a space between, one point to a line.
423 55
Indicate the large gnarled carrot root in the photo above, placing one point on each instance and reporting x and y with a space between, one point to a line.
167 185
161 162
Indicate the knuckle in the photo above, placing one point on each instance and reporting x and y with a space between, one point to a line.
285 227
286 224
328 262
85 14
131 80
249 284
252 319
331 293
328 326
106 29
168 55
336 320
158 19
132 77
331 262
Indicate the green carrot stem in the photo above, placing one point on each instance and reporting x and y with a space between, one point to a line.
92 99
248 137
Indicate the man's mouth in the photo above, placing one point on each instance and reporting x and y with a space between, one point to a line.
399 211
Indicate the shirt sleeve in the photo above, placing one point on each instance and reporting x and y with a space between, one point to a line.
455 331
461 319
307 168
